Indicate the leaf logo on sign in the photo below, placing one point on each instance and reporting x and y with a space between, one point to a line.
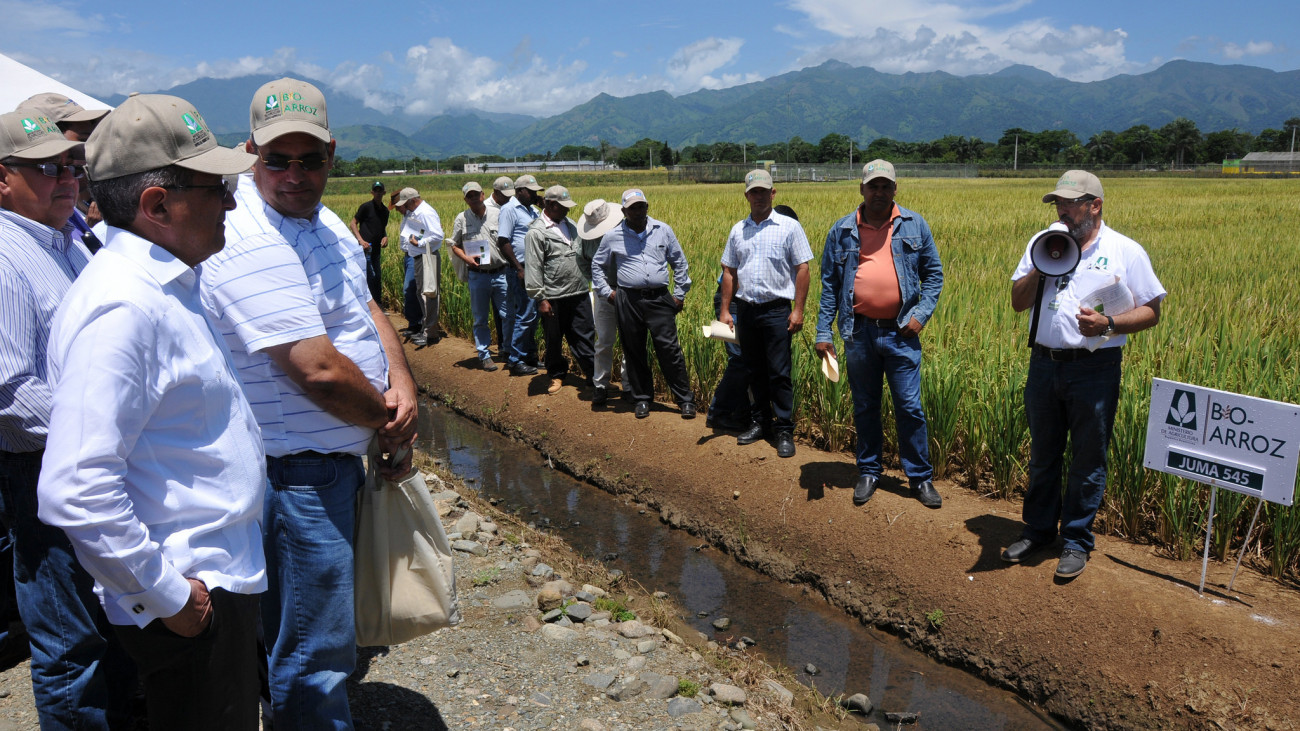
1182 410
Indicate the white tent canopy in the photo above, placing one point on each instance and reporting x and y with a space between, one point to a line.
18 82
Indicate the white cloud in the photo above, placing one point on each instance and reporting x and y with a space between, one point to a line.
693 63
1253 48
43 18
445 77
923 35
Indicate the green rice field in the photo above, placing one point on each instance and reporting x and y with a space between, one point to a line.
1225 250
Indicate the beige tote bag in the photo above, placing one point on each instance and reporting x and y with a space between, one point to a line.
405 585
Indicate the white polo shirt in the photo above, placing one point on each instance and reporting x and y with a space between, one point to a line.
280 280
1113 254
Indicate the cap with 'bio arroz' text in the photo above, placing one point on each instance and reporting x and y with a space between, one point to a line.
153 131
29 136
527 181
285 106
634 195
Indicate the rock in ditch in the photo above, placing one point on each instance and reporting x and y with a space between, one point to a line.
858 703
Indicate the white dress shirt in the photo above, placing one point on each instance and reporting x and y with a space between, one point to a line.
422 223
154 465
280 280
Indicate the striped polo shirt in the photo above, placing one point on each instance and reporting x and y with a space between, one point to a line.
280 280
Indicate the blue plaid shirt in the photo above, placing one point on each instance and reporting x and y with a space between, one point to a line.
765 256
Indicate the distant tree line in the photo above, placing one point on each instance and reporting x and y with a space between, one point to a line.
1179 143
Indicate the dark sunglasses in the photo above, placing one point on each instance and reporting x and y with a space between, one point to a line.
53 169
280 163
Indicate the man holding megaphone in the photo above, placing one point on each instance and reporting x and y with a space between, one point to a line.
1089 301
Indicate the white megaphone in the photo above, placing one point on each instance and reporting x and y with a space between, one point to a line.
1054 251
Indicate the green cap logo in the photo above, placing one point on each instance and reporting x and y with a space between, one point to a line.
272 102
192 124
30 126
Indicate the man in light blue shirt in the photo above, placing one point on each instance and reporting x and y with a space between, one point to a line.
765 268
640 250
81 677
521 310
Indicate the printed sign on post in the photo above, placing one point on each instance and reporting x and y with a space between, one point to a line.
1240 443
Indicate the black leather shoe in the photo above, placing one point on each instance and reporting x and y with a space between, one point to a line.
600 396
523 369
865 488
642 409
1072 563
784 444
1020 550
688 410
753 434
928 496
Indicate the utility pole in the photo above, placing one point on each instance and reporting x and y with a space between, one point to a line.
744 156
1015 161
850 153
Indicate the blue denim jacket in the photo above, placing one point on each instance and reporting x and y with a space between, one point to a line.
916 260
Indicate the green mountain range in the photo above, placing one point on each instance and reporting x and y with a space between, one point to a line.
833 97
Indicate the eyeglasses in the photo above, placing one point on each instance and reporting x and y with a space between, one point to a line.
227 187
280 163
53 169
1067 202
1063 281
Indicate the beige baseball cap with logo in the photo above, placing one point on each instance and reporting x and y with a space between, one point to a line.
285 106
878 169
527 181
560 194
1075 184
28 136
504 184
153 131
758 179
405 195
471 185
59 108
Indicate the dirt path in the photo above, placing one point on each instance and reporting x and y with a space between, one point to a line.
1128 644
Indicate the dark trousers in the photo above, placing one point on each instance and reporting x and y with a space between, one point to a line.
412 297
731 397
205 682
764 335
651 310
570 320
373 279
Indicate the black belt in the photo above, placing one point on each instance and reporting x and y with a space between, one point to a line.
313 454
763 307
1063 355
646 291
485 270
883 324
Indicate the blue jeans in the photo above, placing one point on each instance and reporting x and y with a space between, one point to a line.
1075 400
521 322
882 351
487 293
412 297
731 397
82 678
307 610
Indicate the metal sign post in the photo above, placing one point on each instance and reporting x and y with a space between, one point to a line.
1209 530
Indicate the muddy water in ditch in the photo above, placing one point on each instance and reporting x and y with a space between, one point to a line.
789 627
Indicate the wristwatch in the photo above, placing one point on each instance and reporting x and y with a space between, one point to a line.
1110 325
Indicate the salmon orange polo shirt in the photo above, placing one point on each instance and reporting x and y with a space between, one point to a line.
875 287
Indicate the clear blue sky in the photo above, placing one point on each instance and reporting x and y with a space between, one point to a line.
424 58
